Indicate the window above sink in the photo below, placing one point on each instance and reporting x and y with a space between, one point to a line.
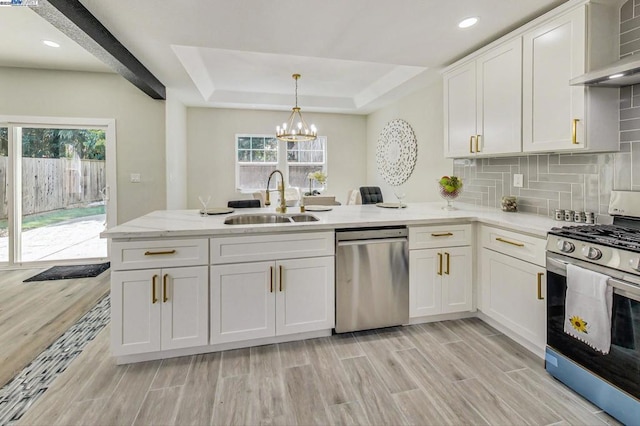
259 155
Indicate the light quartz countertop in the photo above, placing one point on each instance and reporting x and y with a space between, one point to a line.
189 223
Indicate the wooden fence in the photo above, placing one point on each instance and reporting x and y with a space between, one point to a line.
54 183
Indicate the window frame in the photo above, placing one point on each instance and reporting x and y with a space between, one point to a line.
281 164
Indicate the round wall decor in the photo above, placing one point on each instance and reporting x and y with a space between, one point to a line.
397 152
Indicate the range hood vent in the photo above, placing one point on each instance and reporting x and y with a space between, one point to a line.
624 72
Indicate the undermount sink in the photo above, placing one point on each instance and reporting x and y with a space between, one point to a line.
261 218
303 218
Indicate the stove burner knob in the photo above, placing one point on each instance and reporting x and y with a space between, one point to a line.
591 253
565 246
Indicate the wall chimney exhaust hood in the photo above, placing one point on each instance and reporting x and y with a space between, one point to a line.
624 72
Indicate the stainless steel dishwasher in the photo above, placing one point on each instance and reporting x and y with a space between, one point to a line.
372 278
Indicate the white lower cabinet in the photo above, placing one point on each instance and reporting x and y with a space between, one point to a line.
512 288
158 309
272 298
440 281
514 295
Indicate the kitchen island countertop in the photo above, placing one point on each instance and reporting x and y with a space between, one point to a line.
189 223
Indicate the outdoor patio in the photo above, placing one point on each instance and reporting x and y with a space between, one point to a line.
72 239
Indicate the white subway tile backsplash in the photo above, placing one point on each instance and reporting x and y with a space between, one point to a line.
551 181
548 177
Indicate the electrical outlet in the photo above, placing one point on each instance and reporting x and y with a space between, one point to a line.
135 178
517 180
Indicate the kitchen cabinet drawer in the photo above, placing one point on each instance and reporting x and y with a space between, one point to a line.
421 237
253 248
159 253
523 247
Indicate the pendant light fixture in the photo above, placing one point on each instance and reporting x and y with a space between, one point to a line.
295 129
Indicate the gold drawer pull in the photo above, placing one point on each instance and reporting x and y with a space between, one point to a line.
164 288
448 263
154 253
154 299
509 242
446 234
574 131
270 279
471 141
281 277
478 143
540 274
439 263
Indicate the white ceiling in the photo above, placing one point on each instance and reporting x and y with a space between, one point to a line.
354 55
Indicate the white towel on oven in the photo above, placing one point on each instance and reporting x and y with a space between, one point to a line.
588 308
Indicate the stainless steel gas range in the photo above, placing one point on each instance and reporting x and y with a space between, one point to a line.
607 376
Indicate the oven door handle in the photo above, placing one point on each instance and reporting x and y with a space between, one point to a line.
619 287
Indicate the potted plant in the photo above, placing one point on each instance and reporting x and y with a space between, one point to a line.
319 177
449 188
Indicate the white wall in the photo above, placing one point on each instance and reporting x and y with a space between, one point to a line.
176 149
211 149
423 110
140 127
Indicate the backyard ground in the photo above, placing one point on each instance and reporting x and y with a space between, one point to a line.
64 234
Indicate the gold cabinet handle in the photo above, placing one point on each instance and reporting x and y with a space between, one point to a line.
439 263
270 279
502 240
281 268
478 143
154 299
540 274
574 131
471 140
164 288
448 263
445 234
155 253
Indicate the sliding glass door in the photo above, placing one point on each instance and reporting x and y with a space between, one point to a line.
58 196
4 195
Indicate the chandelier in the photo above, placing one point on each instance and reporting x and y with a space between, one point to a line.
295 129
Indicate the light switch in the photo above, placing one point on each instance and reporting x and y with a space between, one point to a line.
135 178
517 180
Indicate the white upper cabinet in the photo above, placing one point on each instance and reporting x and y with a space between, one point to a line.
500 99
514 96
483 101
460 110
557 116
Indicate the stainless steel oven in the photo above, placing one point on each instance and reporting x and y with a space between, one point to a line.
611 380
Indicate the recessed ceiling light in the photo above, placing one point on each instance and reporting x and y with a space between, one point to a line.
50 43
616 76
468 22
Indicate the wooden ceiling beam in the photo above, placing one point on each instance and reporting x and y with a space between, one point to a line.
75 21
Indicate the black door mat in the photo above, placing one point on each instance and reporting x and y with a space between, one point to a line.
69 272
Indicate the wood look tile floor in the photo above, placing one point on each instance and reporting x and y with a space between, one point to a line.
454 372
33 315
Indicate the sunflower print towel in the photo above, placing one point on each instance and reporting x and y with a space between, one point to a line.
588 308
